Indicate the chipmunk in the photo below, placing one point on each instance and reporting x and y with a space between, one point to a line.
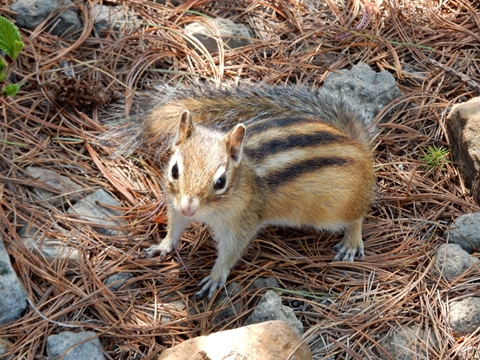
243 158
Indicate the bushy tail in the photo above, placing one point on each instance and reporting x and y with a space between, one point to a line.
225 107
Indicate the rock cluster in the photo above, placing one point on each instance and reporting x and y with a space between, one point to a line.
65 194
451 261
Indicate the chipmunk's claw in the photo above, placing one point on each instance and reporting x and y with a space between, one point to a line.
199 296
210 286
347 253
156 250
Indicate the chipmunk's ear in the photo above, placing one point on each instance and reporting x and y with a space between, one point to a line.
185 128
235 139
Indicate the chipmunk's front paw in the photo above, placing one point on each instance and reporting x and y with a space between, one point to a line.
161 249
348 252
212 283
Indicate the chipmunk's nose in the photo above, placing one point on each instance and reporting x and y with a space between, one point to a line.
189 206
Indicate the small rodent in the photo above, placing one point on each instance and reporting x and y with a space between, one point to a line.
242 158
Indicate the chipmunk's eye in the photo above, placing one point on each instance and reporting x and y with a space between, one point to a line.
221 182
174 171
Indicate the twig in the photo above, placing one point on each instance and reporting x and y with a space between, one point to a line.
449 70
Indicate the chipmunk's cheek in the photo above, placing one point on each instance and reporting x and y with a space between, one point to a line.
189 205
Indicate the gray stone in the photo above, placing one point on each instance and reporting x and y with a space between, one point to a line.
264 284
270 308
116 281
14 299
408 343
232 35
371 90
65 189
451 261
64 346
464 316
33 12
117 19
465 231
5 346
106 220
50 249
269 282
272 340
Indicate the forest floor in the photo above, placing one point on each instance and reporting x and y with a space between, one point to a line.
348 307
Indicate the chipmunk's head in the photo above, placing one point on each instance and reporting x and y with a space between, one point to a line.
202 168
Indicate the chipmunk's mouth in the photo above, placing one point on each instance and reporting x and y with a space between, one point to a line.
189 206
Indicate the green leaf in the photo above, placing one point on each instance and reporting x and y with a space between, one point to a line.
17 47
10 38
3 77
11 89
3 66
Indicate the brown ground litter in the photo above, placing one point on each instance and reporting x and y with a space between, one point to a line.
345 307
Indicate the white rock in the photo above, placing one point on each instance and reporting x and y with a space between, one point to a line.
272 340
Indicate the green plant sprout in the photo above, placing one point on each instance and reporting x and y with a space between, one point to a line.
10 46
435 157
